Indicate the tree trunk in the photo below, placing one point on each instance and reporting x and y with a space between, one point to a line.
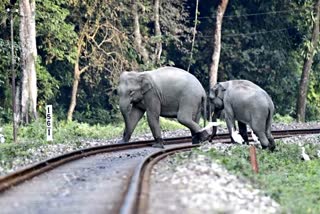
137 34
193 34
73 102
157 30
24 48
28 60
17 117
303 89
33 75
76 75
217 42
13 72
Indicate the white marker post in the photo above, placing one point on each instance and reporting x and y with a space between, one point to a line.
49 122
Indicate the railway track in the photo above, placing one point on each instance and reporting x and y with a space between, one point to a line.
134 200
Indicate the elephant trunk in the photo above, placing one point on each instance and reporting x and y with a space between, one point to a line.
125 106
214 115
214 128
204 103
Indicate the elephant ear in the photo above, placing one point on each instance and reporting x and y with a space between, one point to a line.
145 83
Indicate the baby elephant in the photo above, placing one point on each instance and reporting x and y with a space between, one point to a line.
168 92
247 103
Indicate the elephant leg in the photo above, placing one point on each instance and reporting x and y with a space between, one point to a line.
262 138
195 137
272 145
196 117
131 122
263 133
235 136
214 128
243 131
259 127
187 116
203 135
153 114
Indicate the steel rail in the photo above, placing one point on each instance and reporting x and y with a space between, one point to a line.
46 165
135 200
280 133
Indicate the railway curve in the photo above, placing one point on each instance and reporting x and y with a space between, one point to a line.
131 198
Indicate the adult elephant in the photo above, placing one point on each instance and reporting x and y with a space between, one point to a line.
247 103
168 92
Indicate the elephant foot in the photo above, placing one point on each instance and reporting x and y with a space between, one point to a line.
214 131
211 137
208 132
121 141
204 135
213 134
195 139
158 143
237 137
272 147
200 136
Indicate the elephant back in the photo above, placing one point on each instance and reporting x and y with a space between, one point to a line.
172 78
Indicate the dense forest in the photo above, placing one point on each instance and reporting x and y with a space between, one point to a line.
83 46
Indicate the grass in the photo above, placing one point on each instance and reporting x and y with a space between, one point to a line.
65 131
292 182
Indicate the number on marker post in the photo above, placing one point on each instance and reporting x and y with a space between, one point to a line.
49 122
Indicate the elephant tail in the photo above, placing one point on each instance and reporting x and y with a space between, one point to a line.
204 110
269 121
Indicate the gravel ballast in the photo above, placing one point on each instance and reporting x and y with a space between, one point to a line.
199 185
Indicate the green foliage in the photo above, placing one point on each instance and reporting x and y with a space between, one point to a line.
64 132
47 82
5 92
5 78
283 119
56 36
262 41
176 29
3 10
282 174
